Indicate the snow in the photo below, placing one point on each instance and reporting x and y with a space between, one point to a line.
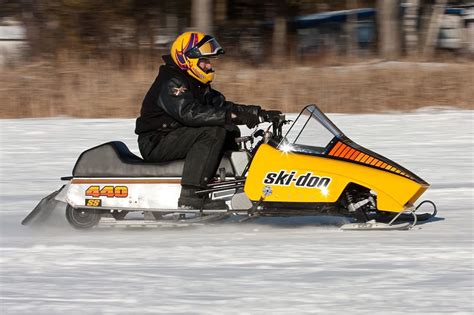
271 266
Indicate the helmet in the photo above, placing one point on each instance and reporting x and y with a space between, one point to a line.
189 47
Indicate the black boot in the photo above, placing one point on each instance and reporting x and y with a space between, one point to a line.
189 199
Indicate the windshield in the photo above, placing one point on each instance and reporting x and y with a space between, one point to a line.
311 130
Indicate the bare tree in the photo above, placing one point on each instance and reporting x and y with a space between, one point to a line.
433 29
389 39
221 11
280 32
351 27
202 18
410 30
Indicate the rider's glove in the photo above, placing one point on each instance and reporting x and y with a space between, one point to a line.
246 118
269 115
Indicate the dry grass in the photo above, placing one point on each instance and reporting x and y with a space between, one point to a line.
99 89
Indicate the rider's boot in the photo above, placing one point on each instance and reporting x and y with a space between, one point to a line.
190 200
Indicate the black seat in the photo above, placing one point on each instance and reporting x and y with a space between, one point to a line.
114 159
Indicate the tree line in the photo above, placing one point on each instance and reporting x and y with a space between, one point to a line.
96 27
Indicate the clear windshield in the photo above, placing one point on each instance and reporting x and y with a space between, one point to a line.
311 129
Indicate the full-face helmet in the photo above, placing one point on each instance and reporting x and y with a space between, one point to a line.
189 48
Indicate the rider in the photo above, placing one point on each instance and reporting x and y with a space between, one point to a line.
182 117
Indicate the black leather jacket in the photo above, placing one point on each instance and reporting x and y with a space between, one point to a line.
176 99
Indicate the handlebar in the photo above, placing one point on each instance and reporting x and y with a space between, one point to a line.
276 126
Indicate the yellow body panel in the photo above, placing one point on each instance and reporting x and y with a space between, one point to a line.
394 192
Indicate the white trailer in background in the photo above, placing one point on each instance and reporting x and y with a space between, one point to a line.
456 29
12 40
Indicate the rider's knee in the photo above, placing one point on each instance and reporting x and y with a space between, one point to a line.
215 132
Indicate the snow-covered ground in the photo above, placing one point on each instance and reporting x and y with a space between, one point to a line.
271 266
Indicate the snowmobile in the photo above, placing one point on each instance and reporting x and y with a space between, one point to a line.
314 169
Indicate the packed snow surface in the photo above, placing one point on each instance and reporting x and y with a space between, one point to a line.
270 266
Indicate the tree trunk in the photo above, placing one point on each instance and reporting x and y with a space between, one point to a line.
433 29
410 29
221 11
388 29
202 18
279 12
31 18
351 24
279 38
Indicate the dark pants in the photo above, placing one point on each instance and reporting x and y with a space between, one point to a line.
202 147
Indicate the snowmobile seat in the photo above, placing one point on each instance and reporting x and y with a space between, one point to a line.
114 159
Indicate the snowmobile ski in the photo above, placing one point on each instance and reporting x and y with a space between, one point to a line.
375 226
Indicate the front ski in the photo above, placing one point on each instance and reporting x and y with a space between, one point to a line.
376 226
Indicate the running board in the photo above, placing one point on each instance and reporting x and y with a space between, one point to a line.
112 223
107 222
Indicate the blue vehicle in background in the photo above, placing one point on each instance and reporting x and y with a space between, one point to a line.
328 31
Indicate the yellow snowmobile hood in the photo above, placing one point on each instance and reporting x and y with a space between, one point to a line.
297 177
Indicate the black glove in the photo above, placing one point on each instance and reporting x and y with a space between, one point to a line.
246 118
269 115
253 109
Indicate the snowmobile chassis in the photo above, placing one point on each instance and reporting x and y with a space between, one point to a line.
86 217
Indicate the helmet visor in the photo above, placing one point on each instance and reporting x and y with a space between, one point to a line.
207 47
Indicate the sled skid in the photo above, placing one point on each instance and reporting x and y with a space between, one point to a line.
48 202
